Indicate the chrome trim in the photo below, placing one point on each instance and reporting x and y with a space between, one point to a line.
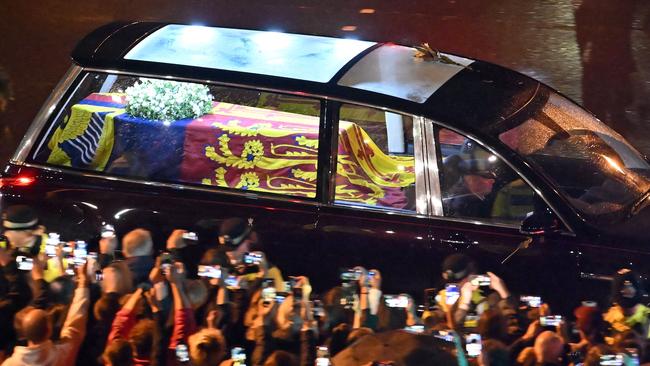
422 198
44 114
431 146
185 187
522 176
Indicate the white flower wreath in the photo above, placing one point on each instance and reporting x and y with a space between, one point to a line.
166 100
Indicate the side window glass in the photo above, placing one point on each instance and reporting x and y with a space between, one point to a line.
376 164
477 184
171 131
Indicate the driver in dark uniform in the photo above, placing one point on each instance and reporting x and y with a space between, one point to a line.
468 182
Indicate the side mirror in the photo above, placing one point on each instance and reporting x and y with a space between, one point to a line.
540 222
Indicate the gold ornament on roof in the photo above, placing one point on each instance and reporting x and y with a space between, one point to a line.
426 53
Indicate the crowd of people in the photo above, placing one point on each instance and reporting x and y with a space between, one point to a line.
226 304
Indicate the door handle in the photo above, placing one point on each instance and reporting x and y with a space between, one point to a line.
457 241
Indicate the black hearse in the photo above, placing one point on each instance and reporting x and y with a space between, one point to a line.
341 152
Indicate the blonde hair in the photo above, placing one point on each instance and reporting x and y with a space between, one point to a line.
137 242
207 347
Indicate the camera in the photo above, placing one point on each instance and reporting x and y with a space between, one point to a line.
452 293
550 320
396 301
531 301
24 263
209 271
238 356
473 344
4 242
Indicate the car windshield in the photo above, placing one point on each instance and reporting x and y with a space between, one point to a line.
594 167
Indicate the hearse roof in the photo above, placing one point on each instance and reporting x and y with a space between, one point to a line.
456 90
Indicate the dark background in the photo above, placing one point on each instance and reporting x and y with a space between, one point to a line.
594 51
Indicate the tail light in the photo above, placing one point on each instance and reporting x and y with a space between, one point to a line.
19 181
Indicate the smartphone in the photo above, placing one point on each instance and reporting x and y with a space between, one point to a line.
323 356
631 357
166 261
99 276
108 231
80 252
232 281
238 356
4 242
471 321
51 243
611 360
190 236
550 320
24 263
531 301
452 293
318 309
209 271
182 353
268 295
253 258
430 298
350 274
591 304
481 281
473 344
445 335
396 301
418 328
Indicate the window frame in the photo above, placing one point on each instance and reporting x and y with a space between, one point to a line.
434 127
422 193
45 123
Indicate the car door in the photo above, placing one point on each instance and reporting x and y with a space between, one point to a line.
377 215
481 203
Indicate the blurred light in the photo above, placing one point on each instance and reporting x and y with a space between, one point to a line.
492 159
390 232
367 11
349 28
614 164
418 237
401 168
120 213
267 41
196 35
90 205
